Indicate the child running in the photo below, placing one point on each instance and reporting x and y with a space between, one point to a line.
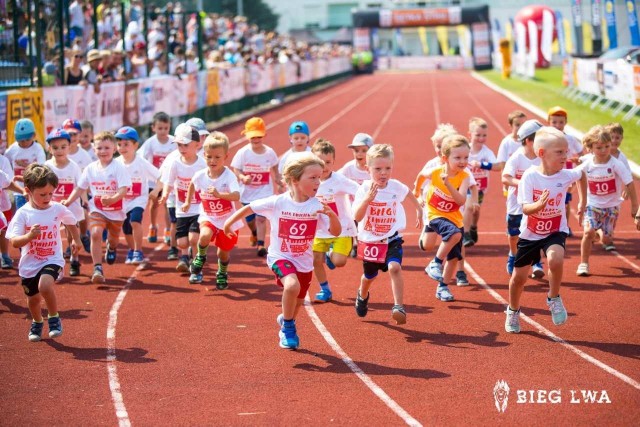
299 140
218 189
36 229
23 153
334 191
79 156
6 182
381 219
86 139
607 177
541 193
290 255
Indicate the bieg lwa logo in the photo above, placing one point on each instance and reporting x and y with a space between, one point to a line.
501 395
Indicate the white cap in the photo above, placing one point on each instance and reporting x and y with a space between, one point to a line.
361 140
185 134
528 128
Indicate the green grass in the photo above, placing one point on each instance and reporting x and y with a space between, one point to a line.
545 91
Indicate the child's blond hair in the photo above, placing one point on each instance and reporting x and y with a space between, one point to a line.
323 146
517 114
615 127
297 163
596 134
545 136
442 131
477 122
104 136
216 140
379 151
454 141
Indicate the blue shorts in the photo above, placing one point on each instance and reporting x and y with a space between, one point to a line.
172 215
251 217
446 230
513 224
134 215
568 198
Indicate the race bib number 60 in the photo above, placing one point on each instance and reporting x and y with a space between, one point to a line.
373 252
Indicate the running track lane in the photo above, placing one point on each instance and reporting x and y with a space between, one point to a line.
190 354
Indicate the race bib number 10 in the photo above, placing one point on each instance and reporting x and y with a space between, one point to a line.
602 188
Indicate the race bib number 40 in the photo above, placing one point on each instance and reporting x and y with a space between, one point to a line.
443 202
373 252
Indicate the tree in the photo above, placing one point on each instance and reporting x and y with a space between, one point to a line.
256 11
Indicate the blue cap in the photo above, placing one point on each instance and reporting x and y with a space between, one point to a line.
127 132
58 134
72 125
24 129
199 124
299 127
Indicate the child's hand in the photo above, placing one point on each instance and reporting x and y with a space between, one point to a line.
186 206
214 192
634 210
373 191
153 196
18 178
65 202
245 179
475 207
624 194
34 233
227 230
419 222
107 200
162 200
581 210
544 198
326 209
474 164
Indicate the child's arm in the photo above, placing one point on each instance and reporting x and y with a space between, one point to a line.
360 208
245 179
16 188
475 205
335 228
458 195
417 185
20 241
537 206
110 200
234 196
416 204
77 192
278 188
75 233
240 213
190 192
582 193
631 191
510 180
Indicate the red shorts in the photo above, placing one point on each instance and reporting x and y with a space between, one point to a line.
283 268
219 239
8 214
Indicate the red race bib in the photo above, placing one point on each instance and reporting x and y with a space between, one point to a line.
297 229
442 202
216 207
117 206
544 226
258 178
182 196
134 191
373 252
483 183
18 171
158 159
63 191
602 188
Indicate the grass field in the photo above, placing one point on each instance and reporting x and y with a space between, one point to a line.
545 91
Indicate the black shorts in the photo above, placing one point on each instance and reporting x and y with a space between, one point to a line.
30 284
394 253
172 215
529 250
186 225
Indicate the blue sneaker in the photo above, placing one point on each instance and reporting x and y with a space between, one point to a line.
558 312
55 327
195 278
362 305
461 279
434 270
129 258
324 295
443 294
67 253
110 256
330 263
183 264
511 263
138 257
280 320
35 333
7 262
288 336
86 243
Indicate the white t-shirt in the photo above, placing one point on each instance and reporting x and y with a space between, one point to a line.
68 178
624 160
81 158
92 153
605 182
334 191
552 218
212 209
385 215
293 227
105 181
482 175
156 152
178 175
3 221
47 248
575 147
354 173
20 158
507 147
5 179
141 173
515 167
285 157
258 166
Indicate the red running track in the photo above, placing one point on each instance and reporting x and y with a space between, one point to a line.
148 348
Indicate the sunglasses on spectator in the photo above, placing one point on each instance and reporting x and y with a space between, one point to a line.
77 56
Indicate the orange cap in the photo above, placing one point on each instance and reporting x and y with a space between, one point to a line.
557 111
254 127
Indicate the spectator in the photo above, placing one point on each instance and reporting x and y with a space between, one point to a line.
76 18
139 61
92 69
73 74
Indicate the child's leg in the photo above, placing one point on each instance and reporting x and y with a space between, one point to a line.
450 267
45 286
204 239
193 241
397 282
445 247
299 303
113 236
587 242
96 243
318 267
153 214
555 260
428 240
136 229
291 289
365 285
34 303
513 245
261 228
339 260
516 286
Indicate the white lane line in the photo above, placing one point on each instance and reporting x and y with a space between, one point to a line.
375 388
624 258
392 107
488 114
436 100
553 336
114 382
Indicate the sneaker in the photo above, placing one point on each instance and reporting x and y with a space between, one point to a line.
138 257
129 258
289 337
74 268
461 279
512 322
324 295
67 253
399 314
221 281
55 327
362 305
511 264
35 332
172 253
443 294
6 262
153 235
280 320
198 263
262 251
195 278
330 264
98 275
110 256
183 264
558 312
167 236
610 247
583 269
434 270
354 251
253 241
467 241
537 271
86 243
473 233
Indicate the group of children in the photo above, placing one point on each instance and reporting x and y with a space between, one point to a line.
318 217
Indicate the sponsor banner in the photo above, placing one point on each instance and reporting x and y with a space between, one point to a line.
576 13
25 103
561 35
596 20
420 17
306 71
619 82
320 69
546 36
103 109
532 57
424 63
481 44
610 20
3 122
131 111
57 106
190 82
213 87
361 39
338 65
146 101
520 58
632 20
165 96
636 83
201 87
259 79
232 84
587 76
290 73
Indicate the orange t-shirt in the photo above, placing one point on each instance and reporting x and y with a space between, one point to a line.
438 200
